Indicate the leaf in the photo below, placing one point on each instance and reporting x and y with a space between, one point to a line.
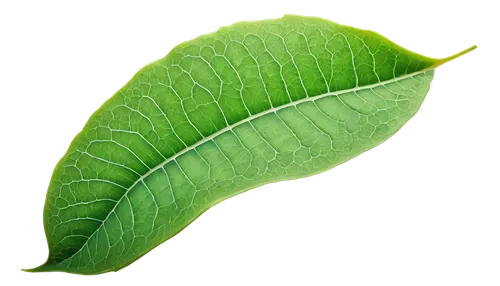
253 103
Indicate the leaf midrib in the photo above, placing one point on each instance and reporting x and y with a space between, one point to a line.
230 127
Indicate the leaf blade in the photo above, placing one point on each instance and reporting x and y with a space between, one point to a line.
149 154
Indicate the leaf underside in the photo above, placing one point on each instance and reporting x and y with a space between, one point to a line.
253 103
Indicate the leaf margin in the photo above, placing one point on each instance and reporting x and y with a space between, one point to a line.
440 63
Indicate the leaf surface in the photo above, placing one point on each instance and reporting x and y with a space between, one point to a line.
253 103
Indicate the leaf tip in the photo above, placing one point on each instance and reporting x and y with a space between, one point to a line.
445 60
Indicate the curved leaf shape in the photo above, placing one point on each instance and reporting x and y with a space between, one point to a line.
252 103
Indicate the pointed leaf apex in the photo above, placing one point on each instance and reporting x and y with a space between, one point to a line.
456 55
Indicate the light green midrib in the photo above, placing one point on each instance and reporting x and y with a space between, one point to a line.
272 110
230 127
438 62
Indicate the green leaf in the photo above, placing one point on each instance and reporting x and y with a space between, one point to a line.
253 103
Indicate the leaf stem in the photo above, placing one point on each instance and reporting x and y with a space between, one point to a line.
447 59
